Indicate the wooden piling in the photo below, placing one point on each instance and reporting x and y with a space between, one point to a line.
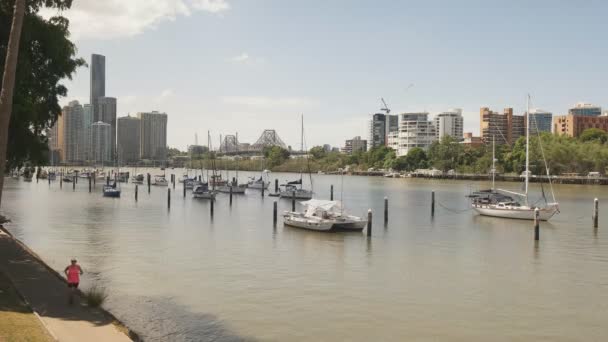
274 213
173 176
369 222
231 195
385 210
276 185
136 190
168 198
536 224
148 183
184 188
74 183
331 192
89 183
293 201
596 212
263 189
60 181
211 206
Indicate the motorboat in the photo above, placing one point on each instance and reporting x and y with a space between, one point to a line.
138 178
323 215
123 177
160 181
202 192
111 191
290 190
43 174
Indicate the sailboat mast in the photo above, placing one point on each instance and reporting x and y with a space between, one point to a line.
493 161
527 145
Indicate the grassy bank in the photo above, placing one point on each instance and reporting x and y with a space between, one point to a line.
17 321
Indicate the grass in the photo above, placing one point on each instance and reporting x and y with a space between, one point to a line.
95 296
17 321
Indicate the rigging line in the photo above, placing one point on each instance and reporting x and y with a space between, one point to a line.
542 151
455 211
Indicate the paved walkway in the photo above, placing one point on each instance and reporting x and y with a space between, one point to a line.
47 295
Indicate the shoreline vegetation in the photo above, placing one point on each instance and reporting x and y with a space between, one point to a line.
565 157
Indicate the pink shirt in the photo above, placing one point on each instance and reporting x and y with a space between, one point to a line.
73 274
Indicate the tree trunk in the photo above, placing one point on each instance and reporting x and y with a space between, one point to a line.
8 84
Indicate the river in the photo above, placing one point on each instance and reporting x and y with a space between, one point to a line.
180 275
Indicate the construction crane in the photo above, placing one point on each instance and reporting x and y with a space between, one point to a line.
385 109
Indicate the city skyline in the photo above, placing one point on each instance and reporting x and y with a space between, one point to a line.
335 65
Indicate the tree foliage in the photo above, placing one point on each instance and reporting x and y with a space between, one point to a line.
46 56
275 155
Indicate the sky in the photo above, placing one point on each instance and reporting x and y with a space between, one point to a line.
228 66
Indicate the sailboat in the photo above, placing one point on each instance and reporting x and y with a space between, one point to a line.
291 189
502 203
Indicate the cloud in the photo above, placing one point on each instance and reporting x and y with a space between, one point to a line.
242 58
166 93
110 19
295 103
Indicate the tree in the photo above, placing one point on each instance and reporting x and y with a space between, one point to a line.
416 158
444 155
318 152
594 135
8 83
275 155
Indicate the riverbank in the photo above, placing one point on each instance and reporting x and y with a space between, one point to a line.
45 291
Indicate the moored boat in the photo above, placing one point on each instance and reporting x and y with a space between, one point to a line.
323 215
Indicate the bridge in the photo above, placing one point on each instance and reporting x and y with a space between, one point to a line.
231 146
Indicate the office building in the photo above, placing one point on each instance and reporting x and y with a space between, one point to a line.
377 131
97 83
415 130
153 136
106 112
585 109
471 141
72 118
128 130
101 137
506 128
540 121
354 145
575 125
449 123
55 141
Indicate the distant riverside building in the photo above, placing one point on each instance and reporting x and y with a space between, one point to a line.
415 130
540 121
101 137
470 140
55 141
106 112
88 121
449 123
97 83
153 136
379 127
585 109
574 125
354 145
72 118
128 130
506 128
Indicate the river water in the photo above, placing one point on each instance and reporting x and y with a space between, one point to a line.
180 275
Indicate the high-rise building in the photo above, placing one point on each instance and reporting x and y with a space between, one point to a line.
98 82
106 112
73 133
506 128
128 131
377 131
540 121
449 123
354 145
415 130
575 125
101 137
153 135
55 137
392 125
585 109
87 122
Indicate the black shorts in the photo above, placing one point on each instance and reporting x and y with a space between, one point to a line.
74 285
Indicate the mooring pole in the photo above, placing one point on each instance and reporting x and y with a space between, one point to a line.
293 201
136 190
276 185
331 192
148 183
211 207
536 224
369 222
385 210
89 183
168 198
184 189
263 189
596 212
231 195
274 213
60 181
433 204
74 183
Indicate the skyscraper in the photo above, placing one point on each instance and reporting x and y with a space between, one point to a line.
506 128
415 130
73 132
128 131
55 136
377 131
153 135
585 109
100 137
87 122
540 121
98 82
449 124
106 112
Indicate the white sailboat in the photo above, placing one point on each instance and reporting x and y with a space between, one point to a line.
291 189
500 203
323 216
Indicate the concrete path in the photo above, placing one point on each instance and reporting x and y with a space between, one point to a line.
47 294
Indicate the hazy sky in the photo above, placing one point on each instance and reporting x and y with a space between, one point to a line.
247 65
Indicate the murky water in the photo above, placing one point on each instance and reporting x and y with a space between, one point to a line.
180 275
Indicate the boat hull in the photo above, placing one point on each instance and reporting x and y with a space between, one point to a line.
302 195
520 214
257 185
